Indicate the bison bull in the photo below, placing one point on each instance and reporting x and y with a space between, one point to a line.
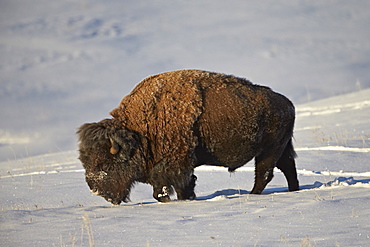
175 121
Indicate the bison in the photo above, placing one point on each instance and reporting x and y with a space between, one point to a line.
175 121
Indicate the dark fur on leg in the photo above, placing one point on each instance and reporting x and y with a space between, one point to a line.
286 164
187 193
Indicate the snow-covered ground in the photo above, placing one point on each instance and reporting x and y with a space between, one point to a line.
46 202
64 63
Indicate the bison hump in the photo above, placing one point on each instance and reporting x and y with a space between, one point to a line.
164 108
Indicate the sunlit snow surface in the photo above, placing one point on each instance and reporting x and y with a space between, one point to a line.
45 200
65 63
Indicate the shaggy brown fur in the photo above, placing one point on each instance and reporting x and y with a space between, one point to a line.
182 119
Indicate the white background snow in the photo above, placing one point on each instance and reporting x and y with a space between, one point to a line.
64 63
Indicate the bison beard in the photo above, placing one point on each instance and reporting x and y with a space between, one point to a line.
175 121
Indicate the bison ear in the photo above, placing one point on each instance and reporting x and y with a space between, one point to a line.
115 147
124 142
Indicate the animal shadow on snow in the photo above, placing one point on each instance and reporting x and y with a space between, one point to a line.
235 193
229 193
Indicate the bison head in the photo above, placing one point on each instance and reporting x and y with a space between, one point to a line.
106 150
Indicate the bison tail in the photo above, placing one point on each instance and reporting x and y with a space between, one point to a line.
289 150
286 164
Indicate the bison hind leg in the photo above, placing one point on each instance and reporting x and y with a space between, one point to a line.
264 169
263 175
187 192
287 165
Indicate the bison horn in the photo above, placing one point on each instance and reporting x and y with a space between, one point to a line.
115 147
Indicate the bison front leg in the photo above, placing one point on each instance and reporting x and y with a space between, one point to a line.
187 193
162 193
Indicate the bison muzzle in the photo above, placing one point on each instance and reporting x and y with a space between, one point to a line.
175 121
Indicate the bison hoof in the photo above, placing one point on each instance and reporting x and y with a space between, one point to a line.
192 197
165 195
163 198
293 189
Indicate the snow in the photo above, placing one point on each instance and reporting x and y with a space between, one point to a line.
65 63
46 202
